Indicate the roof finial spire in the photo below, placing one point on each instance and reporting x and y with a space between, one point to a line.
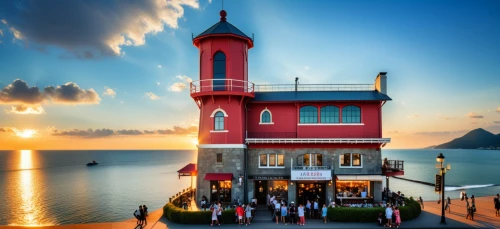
223 15
222 4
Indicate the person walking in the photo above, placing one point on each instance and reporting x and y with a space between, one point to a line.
421 202
214 215
145 210
388 215
398 217
143 216
496 201
308 209
323 212
277 211
240 211
447 206
284 213
302 221
219 213
316 209
248 214
292 213
467 207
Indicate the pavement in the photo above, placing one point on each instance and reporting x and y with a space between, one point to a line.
429 218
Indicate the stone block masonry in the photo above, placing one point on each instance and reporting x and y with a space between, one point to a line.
233 161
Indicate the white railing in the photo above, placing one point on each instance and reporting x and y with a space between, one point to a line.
314 87
319 140
210 85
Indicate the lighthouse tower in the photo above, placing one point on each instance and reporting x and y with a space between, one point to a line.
221 94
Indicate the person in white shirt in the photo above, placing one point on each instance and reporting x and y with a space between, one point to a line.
388 215
302 221
316 209
277 210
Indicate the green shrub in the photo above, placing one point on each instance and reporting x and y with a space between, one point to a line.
179 215
346 214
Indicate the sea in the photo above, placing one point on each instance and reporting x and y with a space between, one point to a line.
41 188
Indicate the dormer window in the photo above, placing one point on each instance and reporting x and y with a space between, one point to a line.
266 117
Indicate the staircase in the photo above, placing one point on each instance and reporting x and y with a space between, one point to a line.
262 214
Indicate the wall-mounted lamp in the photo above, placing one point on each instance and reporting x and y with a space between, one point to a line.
291 183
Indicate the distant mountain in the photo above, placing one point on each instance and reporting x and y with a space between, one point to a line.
476 139
430 147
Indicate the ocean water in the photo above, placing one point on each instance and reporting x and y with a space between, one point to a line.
56 187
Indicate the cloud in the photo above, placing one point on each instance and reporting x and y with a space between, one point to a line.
180 86
26 109
88 29
442 133
19 92
474 115
496 122
128 132
1 32
159 66
6 129
102 133
109 92
177 87
413 116
151 95
98 133
498 110
178 130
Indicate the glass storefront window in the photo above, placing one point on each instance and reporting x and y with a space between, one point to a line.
279 189
353 188
220 191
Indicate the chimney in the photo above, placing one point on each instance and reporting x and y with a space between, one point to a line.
381 83
296 82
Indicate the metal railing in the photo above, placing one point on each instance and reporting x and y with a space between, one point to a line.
210 85
314 87
396 165
318 140
311 168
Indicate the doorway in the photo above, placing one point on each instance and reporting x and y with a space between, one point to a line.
311 191
261 191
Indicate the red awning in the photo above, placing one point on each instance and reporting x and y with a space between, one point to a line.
188 170
219 176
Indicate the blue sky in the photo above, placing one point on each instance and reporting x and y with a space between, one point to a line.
442 59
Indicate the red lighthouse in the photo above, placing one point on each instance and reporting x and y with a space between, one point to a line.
221 94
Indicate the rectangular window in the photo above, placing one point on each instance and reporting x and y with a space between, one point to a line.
345 159
219 158
319 159
356 159
263 160
271 161
307 161
281 160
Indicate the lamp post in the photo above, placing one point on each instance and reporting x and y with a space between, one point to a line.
440 159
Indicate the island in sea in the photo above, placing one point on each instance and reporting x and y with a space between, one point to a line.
475 139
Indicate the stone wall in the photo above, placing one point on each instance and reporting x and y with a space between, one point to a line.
232 162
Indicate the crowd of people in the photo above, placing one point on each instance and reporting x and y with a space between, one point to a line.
286 213
141 214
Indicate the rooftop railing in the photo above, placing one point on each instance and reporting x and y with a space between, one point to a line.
314 87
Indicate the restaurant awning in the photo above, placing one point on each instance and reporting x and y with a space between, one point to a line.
360 177
188 170
219 176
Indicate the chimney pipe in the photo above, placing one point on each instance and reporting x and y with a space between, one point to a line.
381 83
296 82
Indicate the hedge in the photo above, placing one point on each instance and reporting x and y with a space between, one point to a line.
179 215
347 214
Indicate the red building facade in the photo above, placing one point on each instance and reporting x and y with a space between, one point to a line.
297 142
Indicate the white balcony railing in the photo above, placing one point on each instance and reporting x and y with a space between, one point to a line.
314 87
319 140
214 85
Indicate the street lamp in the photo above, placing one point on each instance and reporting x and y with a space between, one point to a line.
440 159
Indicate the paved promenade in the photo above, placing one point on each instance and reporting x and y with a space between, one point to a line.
430 218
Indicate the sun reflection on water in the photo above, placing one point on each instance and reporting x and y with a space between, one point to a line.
29 200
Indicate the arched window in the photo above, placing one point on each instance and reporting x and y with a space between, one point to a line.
351 114
308 114
266 117
219 71
219 121
329 114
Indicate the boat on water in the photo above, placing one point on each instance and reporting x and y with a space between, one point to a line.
92 163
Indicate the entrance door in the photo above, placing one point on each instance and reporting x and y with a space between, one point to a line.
311 192
261 191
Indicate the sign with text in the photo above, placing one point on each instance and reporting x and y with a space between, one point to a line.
264 177
311 175
437 186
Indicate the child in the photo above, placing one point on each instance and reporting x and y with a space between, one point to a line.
398 217
302 221
380 219
323 212
248 214
240 212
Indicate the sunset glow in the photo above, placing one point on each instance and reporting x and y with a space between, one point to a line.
27 133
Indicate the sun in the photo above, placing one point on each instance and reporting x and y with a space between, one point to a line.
195 141
27 133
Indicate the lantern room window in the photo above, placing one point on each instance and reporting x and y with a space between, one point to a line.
219 71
